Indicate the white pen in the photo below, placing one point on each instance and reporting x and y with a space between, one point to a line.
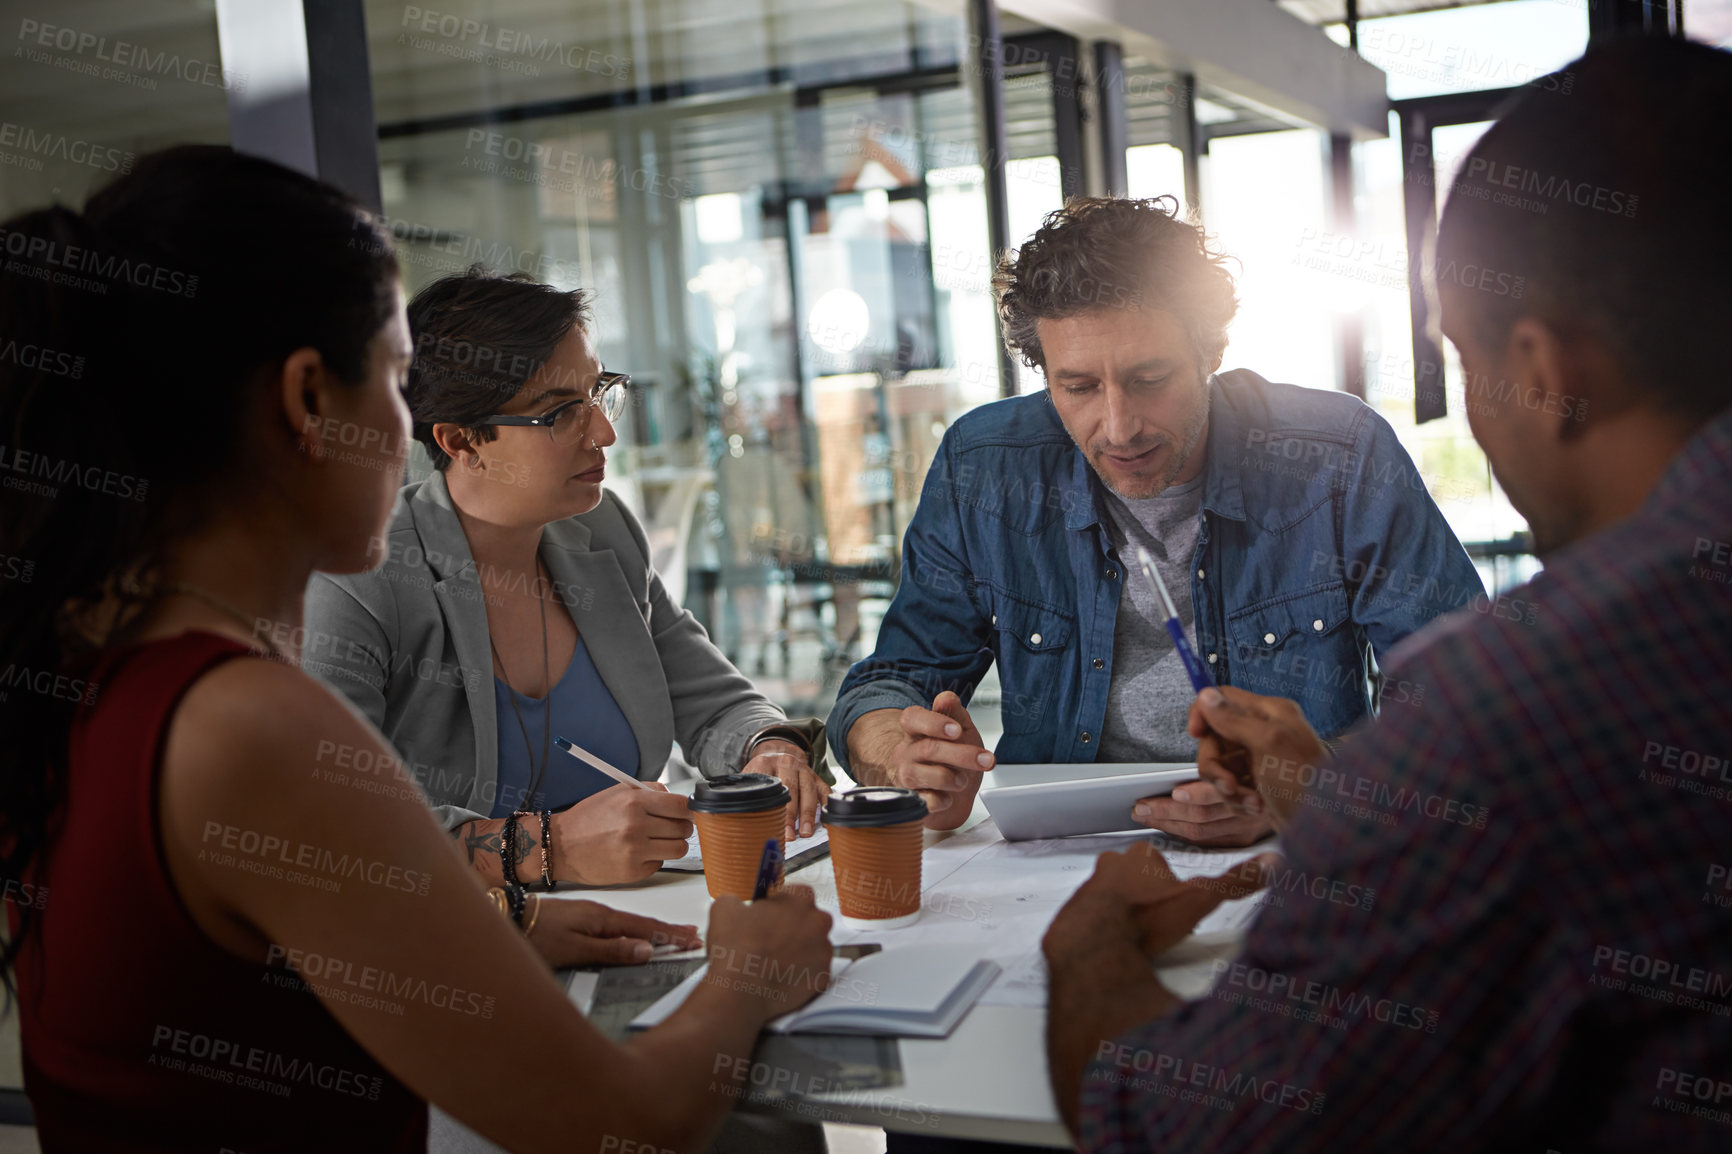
591 759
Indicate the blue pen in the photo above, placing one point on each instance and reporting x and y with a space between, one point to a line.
1200 679
769 869
1234 757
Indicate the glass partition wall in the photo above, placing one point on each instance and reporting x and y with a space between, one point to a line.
781 210
89 87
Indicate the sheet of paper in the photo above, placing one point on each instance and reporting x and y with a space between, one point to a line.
694 859
1001 896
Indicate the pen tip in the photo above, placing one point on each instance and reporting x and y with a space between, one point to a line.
562 743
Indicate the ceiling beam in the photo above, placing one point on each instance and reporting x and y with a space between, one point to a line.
1251 48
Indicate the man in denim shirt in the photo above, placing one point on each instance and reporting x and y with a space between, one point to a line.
1293 530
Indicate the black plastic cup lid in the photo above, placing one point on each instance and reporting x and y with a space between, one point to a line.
739 793
874 805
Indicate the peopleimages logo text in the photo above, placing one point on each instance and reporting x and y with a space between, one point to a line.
74 258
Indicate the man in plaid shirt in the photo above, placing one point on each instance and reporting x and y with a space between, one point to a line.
1546 962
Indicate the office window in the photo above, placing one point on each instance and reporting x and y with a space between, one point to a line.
781 210
1154 165
1476 46
89 88
1709 21
1265 200
1453 466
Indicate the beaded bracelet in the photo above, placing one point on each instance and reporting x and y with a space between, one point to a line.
547 849
501 899
514 896
508 850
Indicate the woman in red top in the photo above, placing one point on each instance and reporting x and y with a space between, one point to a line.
225 934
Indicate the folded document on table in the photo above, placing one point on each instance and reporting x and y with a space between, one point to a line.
912 992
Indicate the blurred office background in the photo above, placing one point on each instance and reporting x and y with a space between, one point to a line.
788 211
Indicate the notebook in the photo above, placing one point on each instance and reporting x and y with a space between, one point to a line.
908 992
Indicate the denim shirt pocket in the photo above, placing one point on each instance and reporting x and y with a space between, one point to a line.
1302 646
1031 641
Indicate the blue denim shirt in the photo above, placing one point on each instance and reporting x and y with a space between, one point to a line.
1318 547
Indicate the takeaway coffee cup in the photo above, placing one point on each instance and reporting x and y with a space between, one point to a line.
875 845
735 816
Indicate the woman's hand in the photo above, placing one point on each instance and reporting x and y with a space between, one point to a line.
773 954
619 835
584 933
807 792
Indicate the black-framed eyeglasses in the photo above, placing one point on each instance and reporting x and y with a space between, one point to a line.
568 423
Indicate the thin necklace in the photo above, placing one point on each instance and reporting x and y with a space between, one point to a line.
218 603
546 701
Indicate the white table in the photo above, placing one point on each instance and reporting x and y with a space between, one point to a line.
987 1081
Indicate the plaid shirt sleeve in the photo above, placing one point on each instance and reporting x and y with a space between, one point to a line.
1505 918
1395 1041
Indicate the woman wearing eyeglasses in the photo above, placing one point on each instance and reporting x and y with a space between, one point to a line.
517 605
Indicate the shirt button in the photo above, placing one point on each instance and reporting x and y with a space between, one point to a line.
1211 659
1112 574
1199 574
1034 639
1099 664
995 619
1268 639
1318 625
1086 738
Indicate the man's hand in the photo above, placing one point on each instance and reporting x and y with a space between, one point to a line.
582 933
1279 750
1197 813
618 835
937 752
807 792
1133 897
1100 985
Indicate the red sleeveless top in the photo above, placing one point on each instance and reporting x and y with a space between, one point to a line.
140 1033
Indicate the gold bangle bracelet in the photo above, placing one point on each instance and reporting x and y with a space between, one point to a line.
496 895
535 912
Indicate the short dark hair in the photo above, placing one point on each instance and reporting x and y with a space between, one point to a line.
1109 252
479 336
1607 195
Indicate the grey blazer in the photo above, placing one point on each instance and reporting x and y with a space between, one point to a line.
408 644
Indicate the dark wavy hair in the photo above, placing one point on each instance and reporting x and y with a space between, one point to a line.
479 336
132 338
1101 252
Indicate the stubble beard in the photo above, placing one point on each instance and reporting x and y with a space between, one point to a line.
1193 435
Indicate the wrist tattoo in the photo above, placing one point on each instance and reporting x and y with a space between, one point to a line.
489 842
481 842
525 841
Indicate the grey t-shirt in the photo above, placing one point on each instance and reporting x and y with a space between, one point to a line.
1150 694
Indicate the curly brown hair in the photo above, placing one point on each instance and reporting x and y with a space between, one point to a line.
1111 252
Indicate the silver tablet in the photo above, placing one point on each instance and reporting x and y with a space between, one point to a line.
1036 801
